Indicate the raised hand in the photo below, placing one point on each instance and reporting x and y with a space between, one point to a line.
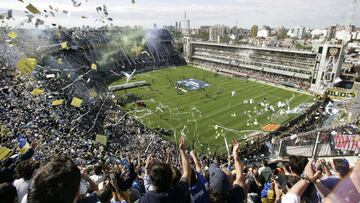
192 153
182 144
236 148
310 173
148 161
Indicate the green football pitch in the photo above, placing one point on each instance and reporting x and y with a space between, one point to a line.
208 115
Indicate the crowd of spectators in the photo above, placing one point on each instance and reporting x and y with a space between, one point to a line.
59 126
63 164
138 166
177 177
258 75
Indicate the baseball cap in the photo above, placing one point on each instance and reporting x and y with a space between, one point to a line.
341 166
218 179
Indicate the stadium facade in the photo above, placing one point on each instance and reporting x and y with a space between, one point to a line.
314 71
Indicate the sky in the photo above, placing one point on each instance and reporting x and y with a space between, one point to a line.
244 13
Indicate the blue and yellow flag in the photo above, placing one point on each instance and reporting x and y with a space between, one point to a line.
23 145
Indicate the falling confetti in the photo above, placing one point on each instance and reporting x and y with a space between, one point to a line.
26 65
32 9
37 92
101 139
58 102
76 102
60 61
64 45
94 66
12 35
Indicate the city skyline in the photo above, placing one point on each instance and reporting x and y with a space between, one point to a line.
313 14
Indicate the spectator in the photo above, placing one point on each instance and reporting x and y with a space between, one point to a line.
341 168
330 180
265 171
24 171
56 182
347 191
161 179
252 185
297 165
7 171
220 189
98 176
121 182
105 195
8 193
198 191
86 185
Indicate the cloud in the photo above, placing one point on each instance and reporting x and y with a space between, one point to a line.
290 13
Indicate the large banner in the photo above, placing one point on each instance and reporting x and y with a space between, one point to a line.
332 59
338 93
347 142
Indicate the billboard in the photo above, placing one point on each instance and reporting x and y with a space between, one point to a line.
331 63
338 93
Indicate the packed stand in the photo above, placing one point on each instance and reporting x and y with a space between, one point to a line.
258 75
189 178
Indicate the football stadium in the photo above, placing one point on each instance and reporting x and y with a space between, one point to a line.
137 102
204 108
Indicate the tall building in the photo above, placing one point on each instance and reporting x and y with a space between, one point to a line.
281 32
264 32
350 28
234 30
204 28
332 33
343 35
186 29
188 26
299 32
254 31
217 32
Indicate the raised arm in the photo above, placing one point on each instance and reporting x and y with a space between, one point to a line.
128 158
186 174
139 159
324 191
238 165
168 156
196 161
326 168
147 181
93 186
299 188
256 180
